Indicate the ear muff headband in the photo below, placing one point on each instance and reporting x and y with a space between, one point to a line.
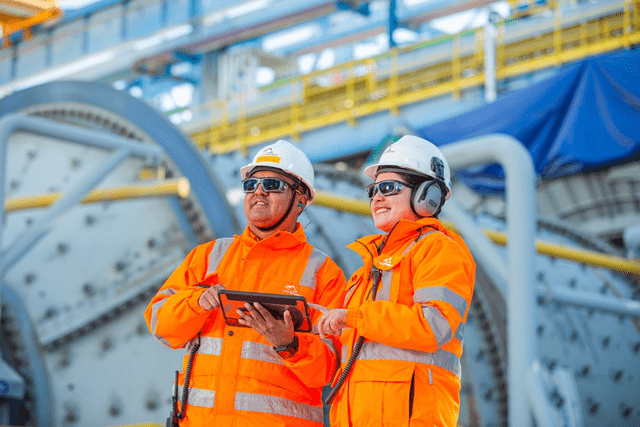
428 198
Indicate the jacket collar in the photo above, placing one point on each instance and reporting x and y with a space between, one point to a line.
277 240
399 237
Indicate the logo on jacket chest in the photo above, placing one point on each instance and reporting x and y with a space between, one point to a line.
290 289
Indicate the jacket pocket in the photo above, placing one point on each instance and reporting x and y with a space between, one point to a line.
381 403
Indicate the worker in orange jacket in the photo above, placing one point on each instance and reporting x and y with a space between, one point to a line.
265 374
406 307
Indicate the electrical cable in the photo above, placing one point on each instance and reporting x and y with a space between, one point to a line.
187 379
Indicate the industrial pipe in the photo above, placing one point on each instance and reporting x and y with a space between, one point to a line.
582 256
176 187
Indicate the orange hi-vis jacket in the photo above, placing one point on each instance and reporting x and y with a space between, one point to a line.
237 378
408 370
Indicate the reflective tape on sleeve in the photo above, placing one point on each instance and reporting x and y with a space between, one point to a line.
278 406
459 332
440 293
439 325
372 350
217 253
314 263
198 397
154 314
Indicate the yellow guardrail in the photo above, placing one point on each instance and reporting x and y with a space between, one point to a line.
582 256
176 187
18 15
450 65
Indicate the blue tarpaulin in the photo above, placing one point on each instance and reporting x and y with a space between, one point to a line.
585 117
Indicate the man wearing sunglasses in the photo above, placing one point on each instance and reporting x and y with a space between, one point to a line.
406 308
265 373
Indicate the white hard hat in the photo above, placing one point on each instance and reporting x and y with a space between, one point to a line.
414 154
286 157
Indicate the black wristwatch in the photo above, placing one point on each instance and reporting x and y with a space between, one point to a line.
286 351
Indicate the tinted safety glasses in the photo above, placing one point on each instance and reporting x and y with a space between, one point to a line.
269 185
386 188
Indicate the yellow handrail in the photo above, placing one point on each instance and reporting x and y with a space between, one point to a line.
582 256
176 187
328 99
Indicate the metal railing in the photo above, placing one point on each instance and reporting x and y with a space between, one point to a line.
447 65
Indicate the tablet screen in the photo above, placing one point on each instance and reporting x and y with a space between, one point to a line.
276 304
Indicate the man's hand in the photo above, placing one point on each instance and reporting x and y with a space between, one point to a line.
210 300
332 322
277 332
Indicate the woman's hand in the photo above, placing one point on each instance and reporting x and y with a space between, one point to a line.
277 332
210 300
332 322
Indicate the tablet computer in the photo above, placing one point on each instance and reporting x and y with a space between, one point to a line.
276 304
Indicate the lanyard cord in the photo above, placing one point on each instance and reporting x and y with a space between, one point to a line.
377 274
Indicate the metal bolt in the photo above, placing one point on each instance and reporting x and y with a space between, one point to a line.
606 341
574 335
584 371
88 289
625 411
29 278
617 375
62 248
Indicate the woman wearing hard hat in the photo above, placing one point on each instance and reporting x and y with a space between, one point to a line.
406 308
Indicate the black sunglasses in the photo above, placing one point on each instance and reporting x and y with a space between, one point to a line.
386 188
269 185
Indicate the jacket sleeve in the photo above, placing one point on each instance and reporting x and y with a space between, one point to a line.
317 358
442 284
174 316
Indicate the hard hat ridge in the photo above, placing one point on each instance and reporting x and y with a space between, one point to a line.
284 156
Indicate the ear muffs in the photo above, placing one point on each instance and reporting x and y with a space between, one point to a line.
428 198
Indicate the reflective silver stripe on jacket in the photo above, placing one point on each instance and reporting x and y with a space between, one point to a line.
439 325
278 406
217 253
348 295
330 344
262 352
198 397
440 293
208 345
460 332
384 294
154 314
372 350
315 262
417 240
